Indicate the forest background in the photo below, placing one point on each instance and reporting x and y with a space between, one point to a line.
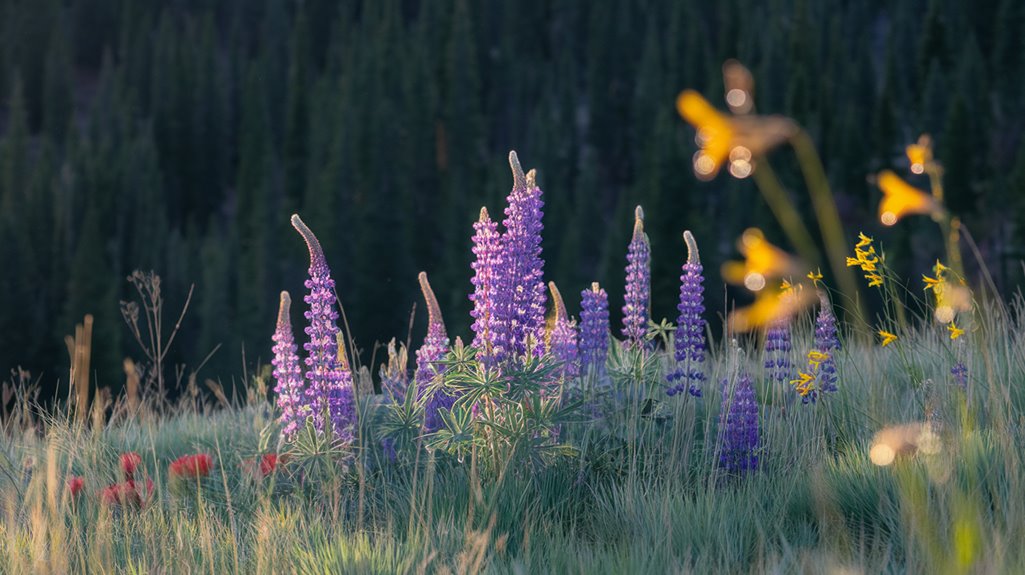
179 136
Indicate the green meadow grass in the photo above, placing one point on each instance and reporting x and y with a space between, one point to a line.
642 494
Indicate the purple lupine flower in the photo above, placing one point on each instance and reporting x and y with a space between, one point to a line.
562 342
777 351
637 304
329 380
738 426
827 342
429 355
960 373
594 330
521 297
689 341
487 249
287 373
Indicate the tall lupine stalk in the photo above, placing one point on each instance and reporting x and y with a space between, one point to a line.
562 341
429 355
637 304
487 250
689 342
738 426
827 342
330 386
594 331
778 345
520 299
287 373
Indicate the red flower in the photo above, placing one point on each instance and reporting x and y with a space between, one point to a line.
129 462
75 485
127 493
191 466
268 463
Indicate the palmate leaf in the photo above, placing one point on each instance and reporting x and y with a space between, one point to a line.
456 436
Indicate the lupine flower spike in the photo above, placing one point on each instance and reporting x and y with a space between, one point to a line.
738 426
827 342
636 308
487 250
329 383
521 297
689 343
287 373
562 342
777 350
594 330
429 355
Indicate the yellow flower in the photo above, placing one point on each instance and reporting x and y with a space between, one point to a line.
931 283
955 332
815 357
815 276
901 198
920 154
888 337
724 137
763 261
804 384
769 306
865 257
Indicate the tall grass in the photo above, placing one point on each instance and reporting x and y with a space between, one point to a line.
642 494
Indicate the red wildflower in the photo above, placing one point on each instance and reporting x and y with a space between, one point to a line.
129 462
191 466
127 493
75 485
265 465
268 463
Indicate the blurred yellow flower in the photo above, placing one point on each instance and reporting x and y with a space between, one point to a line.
901 198
888 337
723 137
769 306
920 154
955 332
950 299
762 262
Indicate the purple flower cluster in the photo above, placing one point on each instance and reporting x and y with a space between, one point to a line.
329 380
960 373
432 351
594 330
562 342
287 373
487 249
636 308
738 427
689 342
826 341
777 351
520 297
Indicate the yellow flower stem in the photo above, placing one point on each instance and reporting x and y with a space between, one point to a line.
950 226
785 212
827 215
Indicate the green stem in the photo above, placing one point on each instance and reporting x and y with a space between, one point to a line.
785 212
826 214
